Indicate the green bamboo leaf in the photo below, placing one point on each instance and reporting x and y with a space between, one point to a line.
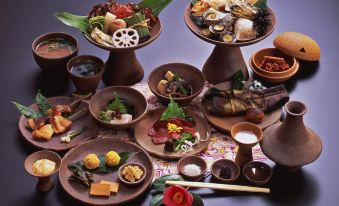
160 183
197 201
156 200
42 103
156 5
79 22
27 111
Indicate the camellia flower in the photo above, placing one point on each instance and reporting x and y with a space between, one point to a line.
177 196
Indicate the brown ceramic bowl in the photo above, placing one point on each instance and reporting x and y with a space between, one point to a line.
257 172
125 181
259 56
192 159
43 154
102 97
85 84
55 65
234 167
246 126
189 73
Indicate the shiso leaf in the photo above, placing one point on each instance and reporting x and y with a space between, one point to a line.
103 168
237 80
116 105
42 103
261 4
173 110
194 1
27 111
156 5
79 22
156 200
159 184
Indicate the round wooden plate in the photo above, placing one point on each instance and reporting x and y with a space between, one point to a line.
101 146
145 141
55 143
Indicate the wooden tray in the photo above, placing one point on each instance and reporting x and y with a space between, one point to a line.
145 141
226 123
101 146
55 143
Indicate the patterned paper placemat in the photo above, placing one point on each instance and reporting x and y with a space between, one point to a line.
220 145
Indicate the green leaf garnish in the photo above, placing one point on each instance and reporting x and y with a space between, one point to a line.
79 22
117 105
156 5
237 80
197 201
261 4
42 103
194 1
97 21
173 110
159 184
138 18
156 200
27 111
103 168
182 90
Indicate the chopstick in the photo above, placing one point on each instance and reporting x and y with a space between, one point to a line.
238 188
200 178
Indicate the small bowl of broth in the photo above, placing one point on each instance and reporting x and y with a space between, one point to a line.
85 71
52 51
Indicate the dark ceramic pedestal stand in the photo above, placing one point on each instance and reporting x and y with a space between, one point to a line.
44 184
122 67
223 62
226 58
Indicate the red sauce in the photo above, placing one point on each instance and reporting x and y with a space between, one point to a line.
55 48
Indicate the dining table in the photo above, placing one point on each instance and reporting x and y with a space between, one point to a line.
316 84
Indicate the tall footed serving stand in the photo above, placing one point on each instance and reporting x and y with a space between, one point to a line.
122 65
226 58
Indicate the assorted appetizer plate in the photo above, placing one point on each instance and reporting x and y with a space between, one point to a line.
141 133
55 142
125 192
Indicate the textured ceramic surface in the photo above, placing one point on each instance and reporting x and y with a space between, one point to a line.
54 65
191 160
55 143
234 167
145 141
290 143
102 97
88 84
102 146
189 73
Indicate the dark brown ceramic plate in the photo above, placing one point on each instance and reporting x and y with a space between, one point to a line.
154 32
103 96
226 123
101 146
197 31
55 143
189 73
145 141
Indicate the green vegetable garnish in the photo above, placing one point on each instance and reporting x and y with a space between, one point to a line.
27 111
182 90
156 5
184 136
116 105
261 4
237 80
97 21
173 110
42 103
138 18
79 22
